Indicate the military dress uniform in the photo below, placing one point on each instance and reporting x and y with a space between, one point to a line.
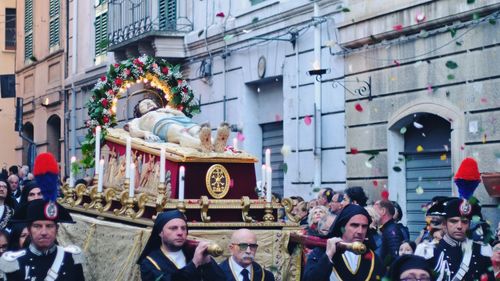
57 264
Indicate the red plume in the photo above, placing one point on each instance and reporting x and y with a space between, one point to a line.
468 170
45 163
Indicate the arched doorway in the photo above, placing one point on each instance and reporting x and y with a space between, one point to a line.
53 136
28 132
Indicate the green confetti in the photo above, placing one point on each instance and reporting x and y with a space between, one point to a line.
345 10
397 169
284 167
255 19
450 77
492 21
471 1
419 190
316 189
402 130
476 16
476 219
228 37
200 32
453 32
459 43
451 64
473 200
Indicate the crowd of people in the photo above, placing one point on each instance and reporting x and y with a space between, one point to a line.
456 244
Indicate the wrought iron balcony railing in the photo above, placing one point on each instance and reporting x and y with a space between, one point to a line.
130 19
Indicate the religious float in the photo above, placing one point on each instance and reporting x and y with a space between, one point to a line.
135 179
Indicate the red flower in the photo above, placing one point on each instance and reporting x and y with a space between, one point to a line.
111 92
138 62
127 71
118 82
105 119
179 82
164 70
185 90
116 65
181 108
220 14
103 78
104 102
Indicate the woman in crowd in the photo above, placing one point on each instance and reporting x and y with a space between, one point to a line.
315 215
407 248
19 237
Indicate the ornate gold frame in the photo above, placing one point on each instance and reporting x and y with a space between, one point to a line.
208 181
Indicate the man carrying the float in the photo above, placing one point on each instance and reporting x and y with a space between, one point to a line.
44 259
350 226
457 257
166 259
153 123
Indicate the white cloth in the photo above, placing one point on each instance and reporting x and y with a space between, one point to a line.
236 269
352 260
2 210
178 258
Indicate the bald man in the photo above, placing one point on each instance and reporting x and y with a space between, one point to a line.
240 266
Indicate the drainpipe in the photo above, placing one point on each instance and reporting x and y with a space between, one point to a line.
297 109
73 76
317 102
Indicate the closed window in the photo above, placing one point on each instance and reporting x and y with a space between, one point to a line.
54 11
101 31
10 29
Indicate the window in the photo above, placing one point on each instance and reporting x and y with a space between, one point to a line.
28 30
101 31
10 29
168 14
54 9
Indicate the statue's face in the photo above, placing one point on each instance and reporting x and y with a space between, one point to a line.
147 105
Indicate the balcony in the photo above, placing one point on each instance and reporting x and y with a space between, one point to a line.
153 27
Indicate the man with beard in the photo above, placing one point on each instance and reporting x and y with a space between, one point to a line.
6 208
155 124
351 225
166 259
240 266
457 257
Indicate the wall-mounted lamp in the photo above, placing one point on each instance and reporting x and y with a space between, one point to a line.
363 88
318 73
45 102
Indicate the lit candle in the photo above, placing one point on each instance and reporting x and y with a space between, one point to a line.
131 190
263 181
269 182
128 153
101 169
268 157
162 165
182 173
71 176
97 148
235 143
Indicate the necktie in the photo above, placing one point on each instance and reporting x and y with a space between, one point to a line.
244 272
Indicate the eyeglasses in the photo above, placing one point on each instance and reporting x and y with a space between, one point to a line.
244 246
416 279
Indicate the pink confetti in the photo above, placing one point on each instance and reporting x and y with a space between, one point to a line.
375 183
462 147
308 120
358 107
429 88
484 100
420 17
240 137
396 62
398 27
220 14
277 118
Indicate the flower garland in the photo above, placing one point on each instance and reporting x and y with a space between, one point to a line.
120 76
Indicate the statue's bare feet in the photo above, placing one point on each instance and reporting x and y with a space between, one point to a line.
222 136
206 137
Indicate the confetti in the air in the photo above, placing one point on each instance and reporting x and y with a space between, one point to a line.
308 120
419 190
384 194
402 130
396 169
368 164
396 62
420 148
285 150
354 150
240 137
277 118
417 125
429 88
420 17
446 147
358 107
220 14
484 138
375 183
443 157
398 27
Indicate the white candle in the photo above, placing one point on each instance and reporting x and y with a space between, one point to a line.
128 153
131 190
268 157
101 170
269 183
182 173
97 148
71 176
263 181
162 165
235 143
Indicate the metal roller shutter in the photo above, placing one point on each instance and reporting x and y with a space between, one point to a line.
272 137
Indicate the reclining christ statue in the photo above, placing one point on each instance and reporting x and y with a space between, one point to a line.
154 123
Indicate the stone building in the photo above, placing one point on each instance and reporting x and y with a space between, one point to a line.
7 81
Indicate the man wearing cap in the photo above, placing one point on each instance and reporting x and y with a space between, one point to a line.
410 267
165 257
44 259
456 257
240 266
351 225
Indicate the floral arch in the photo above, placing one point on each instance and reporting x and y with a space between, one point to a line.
157 73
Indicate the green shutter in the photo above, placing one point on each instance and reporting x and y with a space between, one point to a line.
28 29
167 14
101 33
54 8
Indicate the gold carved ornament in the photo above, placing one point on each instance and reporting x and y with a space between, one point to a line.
217 181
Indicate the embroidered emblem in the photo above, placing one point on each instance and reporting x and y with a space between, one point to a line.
217 181
50 211
465 208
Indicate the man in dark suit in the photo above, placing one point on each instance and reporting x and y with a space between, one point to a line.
165 257
240 266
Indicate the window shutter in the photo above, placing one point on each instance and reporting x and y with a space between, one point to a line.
101 31
54 9
168 14
28 29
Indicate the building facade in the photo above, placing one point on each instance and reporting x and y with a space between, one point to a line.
40 73
7 82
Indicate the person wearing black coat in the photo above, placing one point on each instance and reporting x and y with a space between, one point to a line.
391 234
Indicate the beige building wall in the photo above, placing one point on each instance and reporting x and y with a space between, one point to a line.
40 80
8 137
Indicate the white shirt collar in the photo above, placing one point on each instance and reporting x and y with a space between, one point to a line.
236 269
178 258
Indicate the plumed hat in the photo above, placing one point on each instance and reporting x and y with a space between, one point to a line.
46 173
460 207
467 178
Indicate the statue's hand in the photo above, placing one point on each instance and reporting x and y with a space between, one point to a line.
148 136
